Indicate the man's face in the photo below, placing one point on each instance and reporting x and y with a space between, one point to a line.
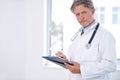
84 15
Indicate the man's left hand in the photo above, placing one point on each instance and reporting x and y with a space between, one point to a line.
75 68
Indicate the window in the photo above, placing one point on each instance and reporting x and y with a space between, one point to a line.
60 27
115 15
100 14
62 24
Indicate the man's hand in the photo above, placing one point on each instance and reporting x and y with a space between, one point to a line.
60 54
75 68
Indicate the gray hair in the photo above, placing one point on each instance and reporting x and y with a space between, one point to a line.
87 3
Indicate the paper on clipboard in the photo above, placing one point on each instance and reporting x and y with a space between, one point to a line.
57 60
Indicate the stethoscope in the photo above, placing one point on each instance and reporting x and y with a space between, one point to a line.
88 45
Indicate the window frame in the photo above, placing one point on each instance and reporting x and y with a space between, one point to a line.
47 26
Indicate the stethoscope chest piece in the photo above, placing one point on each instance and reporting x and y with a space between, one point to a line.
88 46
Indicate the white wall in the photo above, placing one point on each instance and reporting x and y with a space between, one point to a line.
21 42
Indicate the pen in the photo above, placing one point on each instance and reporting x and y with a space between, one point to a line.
61 51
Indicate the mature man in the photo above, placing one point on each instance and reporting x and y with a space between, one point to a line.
92 51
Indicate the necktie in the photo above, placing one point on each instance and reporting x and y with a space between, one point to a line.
82 31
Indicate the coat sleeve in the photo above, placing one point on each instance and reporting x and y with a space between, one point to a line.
107 64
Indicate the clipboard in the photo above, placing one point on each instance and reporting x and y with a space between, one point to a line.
57 60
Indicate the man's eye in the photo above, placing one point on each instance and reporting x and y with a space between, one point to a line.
77 14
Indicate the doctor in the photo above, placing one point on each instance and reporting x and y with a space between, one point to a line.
92 51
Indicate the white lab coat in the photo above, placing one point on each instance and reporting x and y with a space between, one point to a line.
97 61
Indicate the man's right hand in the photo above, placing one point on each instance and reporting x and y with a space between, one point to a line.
60 54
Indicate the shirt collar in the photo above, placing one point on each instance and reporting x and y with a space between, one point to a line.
89 26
